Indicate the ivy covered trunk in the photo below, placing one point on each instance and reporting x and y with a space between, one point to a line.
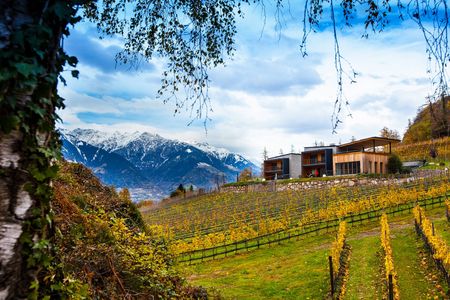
31 61
15 210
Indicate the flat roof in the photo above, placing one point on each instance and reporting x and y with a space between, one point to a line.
370 142
282 156
321 147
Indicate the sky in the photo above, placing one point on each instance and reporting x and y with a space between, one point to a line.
267 96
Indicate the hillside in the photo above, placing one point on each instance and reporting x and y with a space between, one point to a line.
431 122
103 249
274 245
298 269
149 165
215 219
423 150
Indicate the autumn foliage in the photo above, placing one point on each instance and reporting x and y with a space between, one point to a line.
105 250
388 260
225 218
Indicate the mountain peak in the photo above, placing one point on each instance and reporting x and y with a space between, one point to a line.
151 165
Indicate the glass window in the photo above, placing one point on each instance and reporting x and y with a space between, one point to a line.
353 167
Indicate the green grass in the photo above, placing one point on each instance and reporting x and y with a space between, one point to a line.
364 267
436 165
412 276
442 226
299 269
294 270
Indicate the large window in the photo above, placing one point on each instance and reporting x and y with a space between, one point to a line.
352 167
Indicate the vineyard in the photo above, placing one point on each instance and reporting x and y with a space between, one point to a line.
216 224
388 259
365 231
421 150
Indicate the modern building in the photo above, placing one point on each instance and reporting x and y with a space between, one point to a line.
369 155
283 166
318 161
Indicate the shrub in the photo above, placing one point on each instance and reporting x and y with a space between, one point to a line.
394 164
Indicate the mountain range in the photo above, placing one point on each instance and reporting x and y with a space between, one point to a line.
149 165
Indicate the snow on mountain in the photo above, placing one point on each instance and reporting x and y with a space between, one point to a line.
218 152
146 161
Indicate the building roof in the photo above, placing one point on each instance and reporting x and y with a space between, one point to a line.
282 156
321 147
370 142
312 149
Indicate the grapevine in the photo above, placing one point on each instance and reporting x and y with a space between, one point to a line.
387 255
438 246
219 219
338 246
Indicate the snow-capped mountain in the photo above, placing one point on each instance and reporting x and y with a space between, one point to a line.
149 165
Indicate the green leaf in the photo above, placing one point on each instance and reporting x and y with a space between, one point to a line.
25 69
8 123
34 285
5 76
37 174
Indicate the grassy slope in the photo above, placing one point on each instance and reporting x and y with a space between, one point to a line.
412 280
279 272
363 270
299 270
442 226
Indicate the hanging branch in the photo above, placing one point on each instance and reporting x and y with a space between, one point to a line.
432 20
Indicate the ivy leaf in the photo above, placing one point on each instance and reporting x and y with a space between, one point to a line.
25 69
5 76
39 53
8 123
39 176
28 69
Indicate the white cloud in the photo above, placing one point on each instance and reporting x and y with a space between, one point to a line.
267 96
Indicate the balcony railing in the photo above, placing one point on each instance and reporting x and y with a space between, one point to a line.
313 161
272 170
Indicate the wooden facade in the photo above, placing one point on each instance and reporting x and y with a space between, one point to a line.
366 162
273 169
367 156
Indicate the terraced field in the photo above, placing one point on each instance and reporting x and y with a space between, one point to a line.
276 245
299 269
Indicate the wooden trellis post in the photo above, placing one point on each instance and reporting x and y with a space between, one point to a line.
330 261
390 287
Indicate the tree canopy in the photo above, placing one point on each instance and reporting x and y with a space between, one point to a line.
195 36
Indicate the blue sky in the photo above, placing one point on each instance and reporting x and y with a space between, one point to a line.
266 96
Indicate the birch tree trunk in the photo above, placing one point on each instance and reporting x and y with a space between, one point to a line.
30 62
14 212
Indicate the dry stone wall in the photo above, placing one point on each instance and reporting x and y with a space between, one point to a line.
272 186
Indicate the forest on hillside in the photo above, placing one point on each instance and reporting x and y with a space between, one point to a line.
431 122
